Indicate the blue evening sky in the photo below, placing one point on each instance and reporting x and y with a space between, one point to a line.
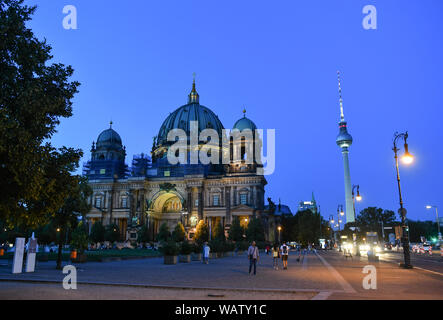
278 59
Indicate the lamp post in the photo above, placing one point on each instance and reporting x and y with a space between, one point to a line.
340 212
358 198
279 232
331 223
406 159
438 221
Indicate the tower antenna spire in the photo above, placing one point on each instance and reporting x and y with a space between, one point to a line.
342 116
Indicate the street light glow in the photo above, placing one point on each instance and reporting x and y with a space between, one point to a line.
407 158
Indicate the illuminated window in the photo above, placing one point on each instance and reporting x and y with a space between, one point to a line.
102 171
167 173
196 202
124 202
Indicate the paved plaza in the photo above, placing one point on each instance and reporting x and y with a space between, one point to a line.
327 275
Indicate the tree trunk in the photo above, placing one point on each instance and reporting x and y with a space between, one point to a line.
59 254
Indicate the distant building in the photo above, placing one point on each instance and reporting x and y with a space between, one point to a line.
308 205
273 217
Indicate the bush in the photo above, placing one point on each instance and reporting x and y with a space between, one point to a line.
185 248
97 233
170 248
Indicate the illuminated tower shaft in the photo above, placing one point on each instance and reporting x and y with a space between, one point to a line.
344 141
348 189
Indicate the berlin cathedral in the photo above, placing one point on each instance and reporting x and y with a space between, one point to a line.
152 191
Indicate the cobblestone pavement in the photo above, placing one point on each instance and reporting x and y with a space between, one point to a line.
327 275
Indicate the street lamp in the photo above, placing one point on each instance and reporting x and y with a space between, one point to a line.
331 222
279 232
406 159
340 212
358 198
438 221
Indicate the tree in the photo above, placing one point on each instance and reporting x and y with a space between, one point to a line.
80 238
76 204
46 234
163 233
34 95
255 230
370 219
219 233
201 232
179 232
236 231
97 232
112 233
143 235
417 229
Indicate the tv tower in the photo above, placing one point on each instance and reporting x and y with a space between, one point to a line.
344 141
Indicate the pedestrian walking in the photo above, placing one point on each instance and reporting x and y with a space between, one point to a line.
275 256
253 257
206 250
284 249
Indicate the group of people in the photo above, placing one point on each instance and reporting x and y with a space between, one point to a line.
278 252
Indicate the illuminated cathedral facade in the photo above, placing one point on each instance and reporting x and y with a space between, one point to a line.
152 191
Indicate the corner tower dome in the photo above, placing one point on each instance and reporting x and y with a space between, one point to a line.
245 123
109 138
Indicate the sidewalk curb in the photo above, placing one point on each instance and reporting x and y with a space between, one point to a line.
148 286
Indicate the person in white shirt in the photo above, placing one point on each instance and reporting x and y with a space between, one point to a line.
206 250
284 249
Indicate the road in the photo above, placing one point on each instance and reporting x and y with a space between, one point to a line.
326 275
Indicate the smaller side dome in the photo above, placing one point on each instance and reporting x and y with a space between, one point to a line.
245 123
109 138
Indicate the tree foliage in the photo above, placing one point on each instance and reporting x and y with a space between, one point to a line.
255 230
201 232
236 231
163 233
305 227
34 95
143 235
219 233
112 233
97 232
179 232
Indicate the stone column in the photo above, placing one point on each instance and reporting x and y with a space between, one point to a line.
228 205
200 203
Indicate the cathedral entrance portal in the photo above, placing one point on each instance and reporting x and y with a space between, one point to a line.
167 207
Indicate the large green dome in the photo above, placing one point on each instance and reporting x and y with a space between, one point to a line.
181 118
